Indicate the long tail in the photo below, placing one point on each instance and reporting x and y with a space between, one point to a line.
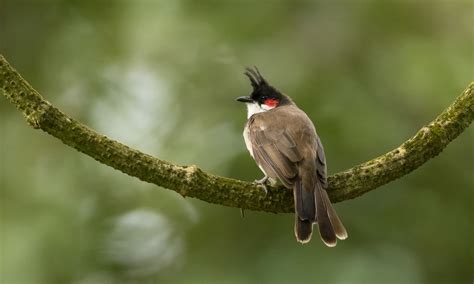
303 230
330 226
314 205
305 212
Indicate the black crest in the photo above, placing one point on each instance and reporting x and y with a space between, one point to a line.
261 89
256 79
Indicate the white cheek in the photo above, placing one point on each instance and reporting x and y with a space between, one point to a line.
253 108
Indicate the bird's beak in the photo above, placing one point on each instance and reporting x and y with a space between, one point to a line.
244 99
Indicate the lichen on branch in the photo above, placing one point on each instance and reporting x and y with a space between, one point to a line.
191 181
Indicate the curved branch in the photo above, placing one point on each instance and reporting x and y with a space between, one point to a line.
190 181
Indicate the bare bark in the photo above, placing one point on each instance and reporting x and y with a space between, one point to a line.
190 181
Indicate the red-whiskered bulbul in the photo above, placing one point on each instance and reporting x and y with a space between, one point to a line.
284 144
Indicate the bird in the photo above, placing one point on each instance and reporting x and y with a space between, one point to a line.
283 141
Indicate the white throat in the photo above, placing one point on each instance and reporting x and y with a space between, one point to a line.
253 108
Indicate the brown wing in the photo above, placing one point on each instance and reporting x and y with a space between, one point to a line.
275 151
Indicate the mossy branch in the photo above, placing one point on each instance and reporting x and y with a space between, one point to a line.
190 181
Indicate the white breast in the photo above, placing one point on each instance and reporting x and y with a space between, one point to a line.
249 147
247 141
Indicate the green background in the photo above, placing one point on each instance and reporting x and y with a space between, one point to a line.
161 76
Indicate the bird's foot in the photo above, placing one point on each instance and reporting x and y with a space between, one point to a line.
262 183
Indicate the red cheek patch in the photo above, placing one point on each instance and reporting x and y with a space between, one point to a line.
271 102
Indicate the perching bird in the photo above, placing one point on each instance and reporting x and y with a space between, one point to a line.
284 144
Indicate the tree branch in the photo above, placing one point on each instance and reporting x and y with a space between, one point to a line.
190 181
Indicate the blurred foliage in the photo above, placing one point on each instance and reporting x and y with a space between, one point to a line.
161 76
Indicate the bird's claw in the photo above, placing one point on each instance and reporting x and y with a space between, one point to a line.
262 183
